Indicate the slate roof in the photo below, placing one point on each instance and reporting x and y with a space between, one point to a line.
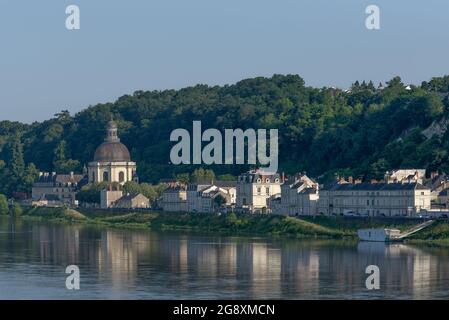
375 187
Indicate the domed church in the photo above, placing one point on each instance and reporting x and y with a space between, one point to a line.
112 160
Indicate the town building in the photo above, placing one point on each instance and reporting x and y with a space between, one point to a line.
254 189
53 189
374 199
112 160
117 200
132 201
203 197
299 196
174 199
108 197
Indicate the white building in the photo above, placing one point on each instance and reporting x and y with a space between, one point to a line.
112 160
299 197
254 190
374 199
202 197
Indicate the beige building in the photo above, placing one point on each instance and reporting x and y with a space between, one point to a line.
112 160
254 190
56 188
298 197
374 199
108 197
132 201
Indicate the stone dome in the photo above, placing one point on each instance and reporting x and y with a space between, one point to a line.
112 151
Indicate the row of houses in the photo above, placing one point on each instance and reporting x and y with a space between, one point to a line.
400 193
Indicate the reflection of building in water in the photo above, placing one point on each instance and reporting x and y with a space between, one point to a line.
301 271
118 256
58 245
266 271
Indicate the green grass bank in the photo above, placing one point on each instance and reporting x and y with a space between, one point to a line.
231 224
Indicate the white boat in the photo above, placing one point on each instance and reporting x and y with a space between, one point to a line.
378 235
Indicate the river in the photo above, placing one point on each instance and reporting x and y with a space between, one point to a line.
131 264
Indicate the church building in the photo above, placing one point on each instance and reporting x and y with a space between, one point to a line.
112 160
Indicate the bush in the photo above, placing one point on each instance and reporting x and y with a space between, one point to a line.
3 205
16 210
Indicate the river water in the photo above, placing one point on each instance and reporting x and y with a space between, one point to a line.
129 264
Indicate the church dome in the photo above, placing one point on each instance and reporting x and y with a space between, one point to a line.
112 150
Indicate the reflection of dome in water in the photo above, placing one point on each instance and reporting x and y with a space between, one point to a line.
112 150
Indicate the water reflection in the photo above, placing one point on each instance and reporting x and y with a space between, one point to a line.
142 264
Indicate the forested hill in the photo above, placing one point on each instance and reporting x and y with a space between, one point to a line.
363 131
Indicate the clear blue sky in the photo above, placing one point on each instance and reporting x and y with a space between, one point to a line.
131 45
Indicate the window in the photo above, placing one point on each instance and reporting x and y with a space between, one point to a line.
259 190
121 176
267 190
105 176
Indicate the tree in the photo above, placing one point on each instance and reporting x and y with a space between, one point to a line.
202 175
16 162
183 178
16 210
4 209
60 163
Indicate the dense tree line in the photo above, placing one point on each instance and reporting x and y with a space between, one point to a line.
362 131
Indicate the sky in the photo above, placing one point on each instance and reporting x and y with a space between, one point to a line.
124 46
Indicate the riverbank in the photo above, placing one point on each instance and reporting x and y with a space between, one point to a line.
231 224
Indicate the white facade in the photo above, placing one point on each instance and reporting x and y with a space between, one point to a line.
377 199
254 190
200 198
112 160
